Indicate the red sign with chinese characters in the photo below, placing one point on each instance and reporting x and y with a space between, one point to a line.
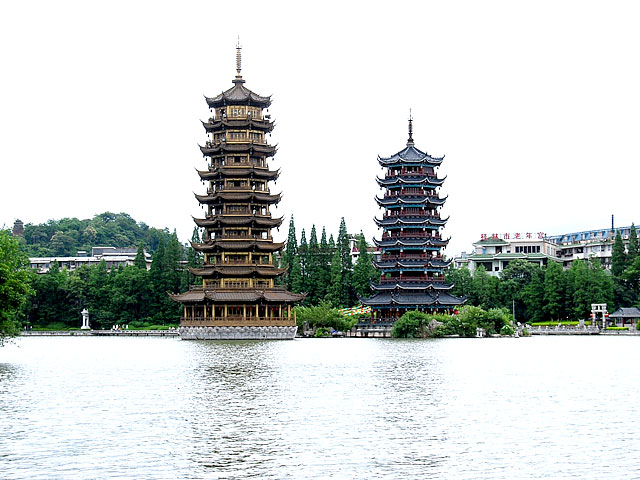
513 236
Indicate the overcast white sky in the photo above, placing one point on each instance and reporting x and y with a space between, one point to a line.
536 106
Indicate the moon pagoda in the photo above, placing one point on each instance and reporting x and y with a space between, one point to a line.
411 263
238 298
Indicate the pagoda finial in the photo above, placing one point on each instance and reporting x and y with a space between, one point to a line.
410 141
238 62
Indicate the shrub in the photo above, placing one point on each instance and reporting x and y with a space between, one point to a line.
507 330
325 316
409 325
321 332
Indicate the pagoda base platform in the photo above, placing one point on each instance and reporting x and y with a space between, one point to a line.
238 333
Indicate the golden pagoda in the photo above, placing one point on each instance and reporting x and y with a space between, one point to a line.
238 298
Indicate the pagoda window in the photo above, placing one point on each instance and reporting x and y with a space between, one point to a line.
237 112
262 283
257 161
236 259
236 283
219 137
212 283
256 137
235 209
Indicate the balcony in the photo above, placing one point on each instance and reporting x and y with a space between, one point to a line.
411 279
237 321
387 236
226 236
405 256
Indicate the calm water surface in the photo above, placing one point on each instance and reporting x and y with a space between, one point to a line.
161 408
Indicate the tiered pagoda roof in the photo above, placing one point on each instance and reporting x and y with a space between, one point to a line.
411 265
239 266
238 95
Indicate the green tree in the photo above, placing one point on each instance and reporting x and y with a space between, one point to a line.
290 252
462 281
513 282
344 250
363 272
15 284
484 289
303 256
315 286
618 257
553 291
140 260
533 296
634 246
335 294
325 264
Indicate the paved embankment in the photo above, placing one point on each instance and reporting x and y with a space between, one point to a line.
104 333
581 331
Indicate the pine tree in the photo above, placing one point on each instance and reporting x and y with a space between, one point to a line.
344 250
618 266
325 265
314 279
553 291
363 272
140 261
303 257
634 247
618 256
290 252
295 276
335 295
533 297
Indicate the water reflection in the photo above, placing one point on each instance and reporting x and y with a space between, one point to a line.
317 408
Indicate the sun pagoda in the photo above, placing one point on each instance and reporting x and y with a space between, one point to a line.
411 263
238 298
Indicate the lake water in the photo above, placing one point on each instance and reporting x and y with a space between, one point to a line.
161 408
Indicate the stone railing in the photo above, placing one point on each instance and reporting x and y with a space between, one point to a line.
238 321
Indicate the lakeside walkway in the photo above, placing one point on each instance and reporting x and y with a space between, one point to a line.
103 333
586 330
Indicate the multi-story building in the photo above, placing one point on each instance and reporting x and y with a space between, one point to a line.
589 244
114 257
411 263
494 252
238 298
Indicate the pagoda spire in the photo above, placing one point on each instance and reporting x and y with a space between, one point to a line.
410 140
238 63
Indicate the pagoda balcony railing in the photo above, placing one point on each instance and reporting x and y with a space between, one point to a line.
224 141
403 191
226 236
409 215
404 171
404 256
410 235
213 167
410 279
237 321
245 188
240 262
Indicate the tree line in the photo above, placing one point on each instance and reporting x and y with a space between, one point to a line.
324 270
65 237
535 294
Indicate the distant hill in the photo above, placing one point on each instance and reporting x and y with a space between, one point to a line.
66 236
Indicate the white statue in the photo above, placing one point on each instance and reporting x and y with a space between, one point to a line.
85 319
